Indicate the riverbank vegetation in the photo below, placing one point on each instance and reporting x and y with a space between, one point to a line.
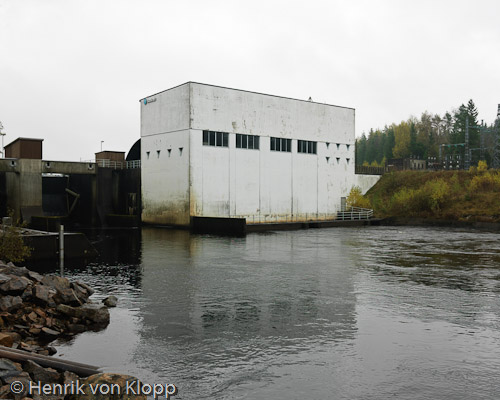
12 246
472 195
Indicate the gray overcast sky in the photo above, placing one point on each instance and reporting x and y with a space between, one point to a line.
72 72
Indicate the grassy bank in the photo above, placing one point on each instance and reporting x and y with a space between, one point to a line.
449 195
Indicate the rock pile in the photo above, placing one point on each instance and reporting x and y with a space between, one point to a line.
34 310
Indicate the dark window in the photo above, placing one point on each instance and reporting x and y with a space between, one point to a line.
347 147
212 138
288 145
307 146
338 146
247 141
280 144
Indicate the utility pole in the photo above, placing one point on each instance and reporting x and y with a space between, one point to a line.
466 155
496 148
2 134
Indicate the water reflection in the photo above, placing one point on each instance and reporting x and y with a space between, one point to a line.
239 305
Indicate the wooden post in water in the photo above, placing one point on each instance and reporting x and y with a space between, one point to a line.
61 249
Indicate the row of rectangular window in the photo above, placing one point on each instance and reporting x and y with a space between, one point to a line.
221 139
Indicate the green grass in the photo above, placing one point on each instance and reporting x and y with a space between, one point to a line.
456 195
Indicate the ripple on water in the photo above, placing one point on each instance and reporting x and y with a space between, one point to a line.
372 313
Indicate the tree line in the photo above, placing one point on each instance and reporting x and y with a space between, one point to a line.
421 138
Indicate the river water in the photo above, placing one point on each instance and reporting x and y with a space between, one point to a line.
339 313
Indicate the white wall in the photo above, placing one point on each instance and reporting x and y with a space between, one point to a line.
264 185
260 185
237 111
165 176
365 182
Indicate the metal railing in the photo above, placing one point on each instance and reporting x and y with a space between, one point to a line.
133 164
355 213
368 170
119 164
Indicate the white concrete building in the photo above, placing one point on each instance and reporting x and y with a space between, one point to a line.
211 151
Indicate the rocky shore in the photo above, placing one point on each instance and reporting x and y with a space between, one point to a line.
36 309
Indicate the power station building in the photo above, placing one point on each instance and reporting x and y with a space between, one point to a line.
210 151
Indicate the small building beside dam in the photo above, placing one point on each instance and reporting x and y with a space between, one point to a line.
210 151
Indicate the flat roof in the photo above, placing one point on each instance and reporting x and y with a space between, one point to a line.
246 91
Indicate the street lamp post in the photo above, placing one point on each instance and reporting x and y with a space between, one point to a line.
102 141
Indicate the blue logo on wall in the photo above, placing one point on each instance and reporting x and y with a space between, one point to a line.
150 100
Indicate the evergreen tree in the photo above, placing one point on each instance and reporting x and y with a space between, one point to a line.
361 150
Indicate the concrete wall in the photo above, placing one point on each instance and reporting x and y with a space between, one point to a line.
238 111
68 167
165 178
264 185
165 157
365 182
23 183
